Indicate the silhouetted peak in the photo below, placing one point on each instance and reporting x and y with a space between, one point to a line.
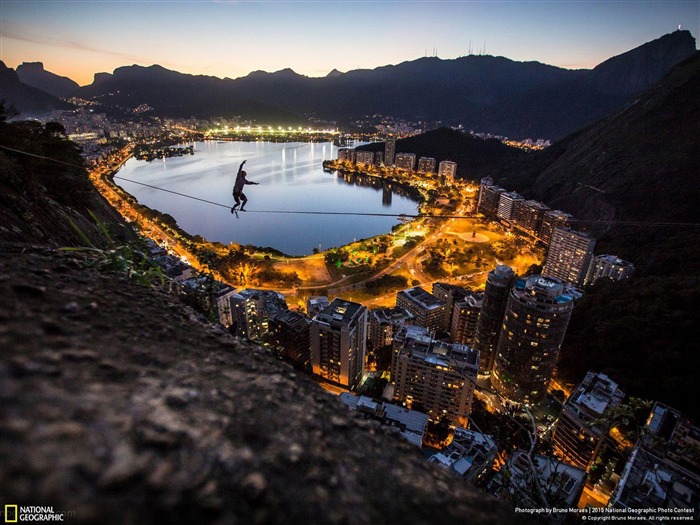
287 72
32 66
334 73
100 78
640 67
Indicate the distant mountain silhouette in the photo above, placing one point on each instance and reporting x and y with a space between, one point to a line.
33 74
29 101
174 94
483 93
100 78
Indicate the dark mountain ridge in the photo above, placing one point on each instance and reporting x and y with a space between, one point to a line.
33 74
25 99
483 93
174 94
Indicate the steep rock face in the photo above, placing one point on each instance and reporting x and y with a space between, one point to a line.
640 164
636 70
28 100
33 74
99 78
122 406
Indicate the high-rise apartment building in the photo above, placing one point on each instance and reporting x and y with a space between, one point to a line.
427 309
389 151
339 342
434 377
426 165
344 154
290 334
365 157
384 323
609 266
488 328
448 170
528 216
251 311
569 256
535 321
507 204
448 294
405 161
489 199
486 181
222 298
465 318
552 219
578 434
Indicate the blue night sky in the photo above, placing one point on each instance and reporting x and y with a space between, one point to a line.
78 38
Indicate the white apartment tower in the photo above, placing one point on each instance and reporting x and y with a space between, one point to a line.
339 343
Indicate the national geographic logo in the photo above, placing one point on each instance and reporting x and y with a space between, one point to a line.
17 514
10 514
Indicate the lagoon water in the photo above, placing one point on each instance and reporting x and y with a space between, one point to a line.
291 177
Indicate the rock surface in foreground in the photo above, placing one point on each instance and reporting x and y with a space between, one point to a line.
120 405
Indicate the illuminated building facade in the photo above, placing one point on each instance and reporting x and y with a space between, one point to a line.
447 169
365 157
610 267
552 219
389 151
251 311
384 323
569 256
405 161
535 321
489 199
428 311
426 165
339 343
577 437
289 336
434 377
488 328
465 318
507 203
528 216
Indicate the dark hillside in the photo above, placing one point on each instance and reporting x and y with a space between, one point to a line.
33 74
475 157
27 100
39 198
641 165
640 157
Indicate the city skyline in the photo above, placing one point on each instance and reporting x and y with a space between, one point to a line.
227 39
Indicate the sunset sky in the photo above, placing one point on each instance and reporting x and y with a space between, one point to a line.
77 38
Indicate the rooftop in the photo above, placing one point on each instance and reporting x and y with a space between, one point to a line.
341 311
422 298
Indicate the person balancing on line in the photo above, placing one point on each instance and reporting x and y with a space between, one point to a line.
238 194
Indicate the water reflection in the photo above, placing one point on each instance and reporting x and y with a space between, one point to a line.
291 177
